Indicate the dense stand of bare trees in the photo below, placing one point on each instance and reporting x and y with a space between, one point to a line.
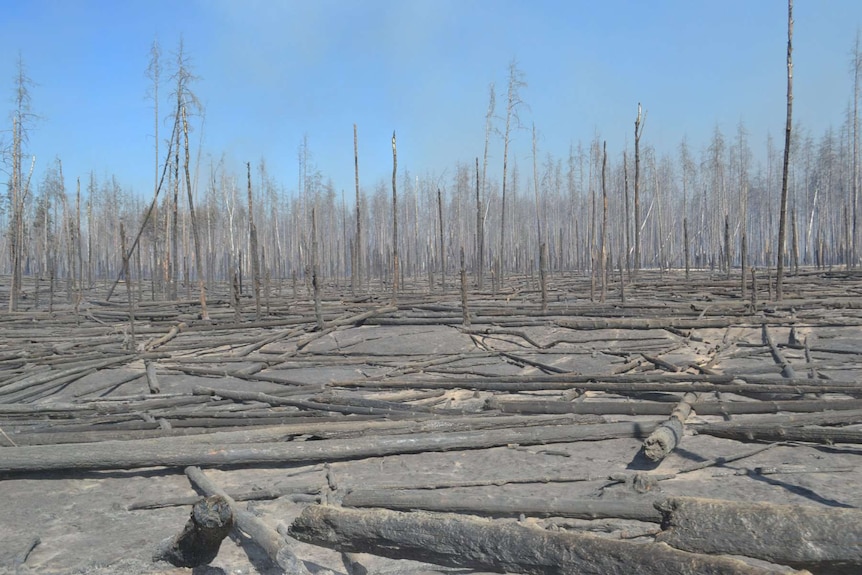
716 208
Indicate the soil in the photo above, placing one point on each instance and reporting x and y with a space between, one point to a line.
86 520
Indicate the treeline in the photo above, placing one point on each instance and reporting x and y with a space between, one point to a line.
714 207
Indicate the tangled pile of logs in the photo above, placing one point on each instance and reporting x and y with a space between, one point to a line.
78 392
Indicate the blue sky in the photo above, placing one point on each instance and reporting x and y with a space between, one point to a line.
271 71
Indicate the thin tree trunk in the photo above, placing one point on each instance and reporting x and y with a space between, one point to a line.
464 309
442 240
315 271
638 132
480 232
395 267
604 239
357 250
252 232
199 270
782 225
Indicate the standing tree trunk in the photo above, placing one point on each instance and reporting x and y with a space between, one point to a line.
174 259
727 253
628 216
857 69
638 132
252 237
15 228
395 271
315 270
357 250
442 243
199 268
480 234
604 239
782 222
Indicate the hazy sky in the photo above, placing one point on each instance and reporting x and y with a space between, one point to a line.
271 71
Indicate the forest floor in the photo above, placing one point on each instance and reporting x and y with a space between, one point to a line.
407 407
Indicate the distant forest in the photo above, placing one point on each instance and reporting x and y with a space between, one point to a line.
591 209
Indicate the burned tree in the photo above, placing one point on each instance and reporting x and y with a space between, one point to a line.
782 225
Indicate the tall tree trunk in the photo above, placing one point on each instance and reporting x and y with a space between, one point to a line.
480 234
395 267
442 240
357 250
782 225
15 228
628 216
637 222
252 237
199 270
604 239
174 259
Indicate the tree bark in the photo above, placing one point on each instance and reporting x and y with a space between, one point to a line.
148 453
199 541
199 266
823 539
500 547
782 222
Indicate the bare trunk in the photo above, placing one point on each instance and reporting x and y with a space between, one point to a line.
604 239
782 225
357 250
198 261
395 267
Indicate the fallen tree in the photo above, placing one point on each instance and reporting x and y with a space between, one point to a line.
825 539
496 546
152 453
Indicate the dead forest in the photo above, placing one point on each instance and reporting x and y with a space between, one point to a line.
624 361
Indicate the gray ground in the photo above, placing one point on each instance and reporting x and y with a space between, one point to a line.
83 524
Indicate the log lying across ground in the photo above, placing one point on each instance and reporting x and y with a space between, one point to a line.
825 539
172 453
496 506
494 546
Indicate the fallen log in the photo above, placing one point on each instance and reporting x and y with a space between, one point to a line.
766 432
149 453
667 436
488 545
660 408
495 506
199 541
823 539
174 332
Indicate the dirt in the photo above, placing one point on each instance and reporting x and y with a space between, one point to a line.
82 518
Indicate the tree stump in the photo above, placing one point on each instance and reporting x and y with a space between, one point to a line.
198 543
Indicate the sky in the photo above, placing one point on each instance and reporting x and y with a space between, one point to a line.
272 72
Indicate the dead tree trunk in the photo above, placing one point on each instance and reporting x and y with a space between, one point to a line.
464 309
480 234
499 547
782 222
199 541
638 132
603 267
357 250
199 268
442 240
823 539
395 267
252 240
